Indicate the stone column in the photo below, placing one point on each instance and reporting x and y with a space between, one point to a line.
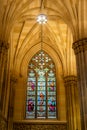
3 61
13 81
72 103
80 49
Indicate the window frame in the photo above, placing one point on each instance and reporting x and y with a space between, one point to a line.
46 96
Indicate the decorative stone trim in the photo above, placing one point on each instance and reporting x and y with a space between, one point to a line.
4 45
3 123
70 80
13 79
80 46
26 126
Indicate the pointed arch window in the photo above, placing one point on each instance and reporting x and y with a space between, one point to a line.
41 88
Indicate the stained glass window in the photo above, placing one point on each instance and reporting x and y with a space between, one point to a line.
41 88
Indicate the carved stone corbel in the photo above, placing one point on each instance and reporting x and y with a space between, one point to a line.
3 46
80 46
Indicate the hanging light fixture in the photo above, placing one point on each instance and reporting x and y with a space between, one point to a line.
42 19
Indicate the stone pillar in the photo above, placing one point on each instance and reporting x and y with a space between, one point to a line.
72 103
13 81
80 49
3 63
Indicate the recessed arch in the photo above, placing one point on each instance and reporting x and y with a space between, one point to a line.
41 87
52 53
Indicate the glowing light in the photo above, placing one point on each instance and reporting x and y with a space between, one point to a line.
41 19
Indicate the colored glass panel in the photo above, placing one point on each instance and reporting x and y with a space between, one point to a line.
41 88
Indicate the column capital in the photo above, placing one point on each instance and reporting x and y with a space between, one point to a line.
13 78
80 45
70 80
3 46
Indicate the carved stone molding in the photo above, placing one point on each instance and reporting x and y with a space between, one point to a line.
70 80
3 46
21 126
80 46
26 126
3 123
13 79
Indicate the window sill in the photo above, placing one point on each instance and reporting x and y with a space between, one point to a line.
41 121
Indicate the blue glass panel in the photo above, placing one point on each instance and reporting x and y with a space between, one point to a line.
31 85
51 93
41 108
32 79
31 93
30 97
31 105
41 102
50 79
41 114
41 94
51 89
31 74
41 78
51 74
41 87
51 104
33 102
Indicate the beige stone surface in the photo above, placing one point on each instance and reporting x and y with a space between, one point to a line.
21 35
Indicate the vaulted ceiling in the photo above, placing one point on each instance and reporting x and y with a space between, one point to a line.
20 28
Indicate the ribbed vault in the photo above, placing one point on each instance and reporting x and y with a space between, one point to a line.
19 28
